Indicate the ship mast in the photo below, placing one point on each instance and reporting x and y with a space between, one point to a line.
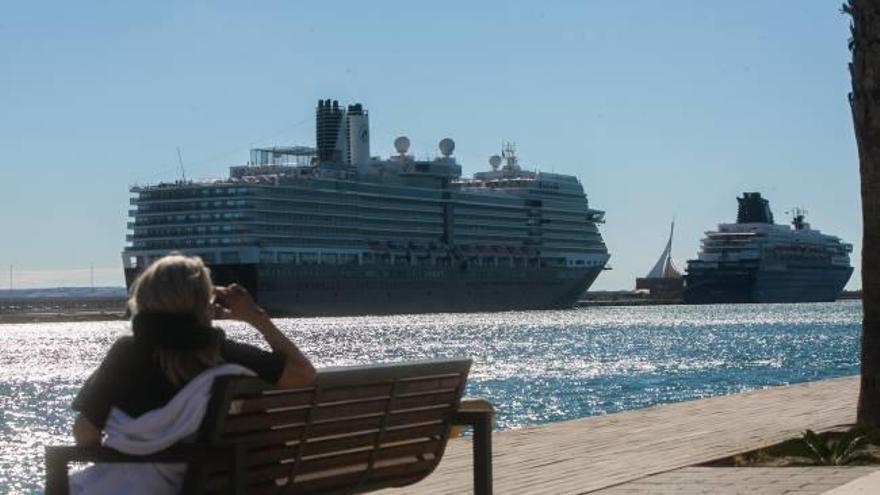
180 163
798 214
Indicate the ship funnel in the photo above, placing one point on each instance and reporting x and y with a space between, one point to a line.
753 209
329 137
358 127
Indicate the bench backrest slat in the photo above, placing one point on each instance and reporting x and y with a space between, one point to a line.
356 429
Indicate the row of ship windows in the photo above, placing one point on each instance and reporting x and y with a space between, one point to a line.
462 263
360 192
189 243
344 199
359 217
340 210
335 225
192 205
524 230
142 233
400 243
291 206
335 202
332 233
419 197
208 257
350 210
246 241
418 251
196 217
407 219
158 194
335 189
387 259
281 216
274 222
796 250
335 233
350 229
184 208
461 224
331 190
323 188
546 236
273 228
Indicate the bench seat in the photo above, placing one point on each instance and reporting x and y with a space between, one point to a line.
357 429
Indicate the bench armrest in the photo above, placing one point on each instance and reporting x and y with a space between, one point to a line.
478 413
475 404
58 457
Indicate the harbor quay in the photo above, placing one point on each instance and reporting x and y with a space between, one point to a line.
659 449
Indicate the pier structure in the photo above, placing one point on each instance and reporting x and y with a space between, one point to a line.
660 449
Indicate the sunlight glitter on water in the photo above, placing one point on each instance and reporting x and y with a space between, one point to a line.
536 367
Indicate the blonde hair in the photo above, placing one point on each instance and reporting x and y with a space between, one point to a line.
177 284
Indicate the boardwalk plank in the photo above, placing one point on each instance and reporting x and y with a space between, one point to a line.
588 454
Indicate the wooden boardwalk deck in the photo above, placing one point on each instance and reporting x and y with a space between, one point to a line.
589 454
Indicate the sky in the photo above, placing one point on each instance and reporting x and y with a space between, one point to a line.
662 109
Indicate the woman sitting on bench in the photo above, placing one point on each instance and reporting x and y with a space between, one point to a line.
172 304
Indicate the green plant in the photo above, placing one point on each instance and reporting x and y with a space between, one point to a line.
751 458
835 452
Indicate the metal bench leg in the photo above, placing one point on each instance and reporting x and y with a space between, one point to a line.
236 471
56 473
483 454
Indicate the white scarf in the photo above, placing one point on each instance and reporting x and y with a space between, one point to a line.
152 432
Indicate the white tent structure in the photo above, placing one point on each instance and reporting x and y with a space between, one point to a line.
665 268
664 282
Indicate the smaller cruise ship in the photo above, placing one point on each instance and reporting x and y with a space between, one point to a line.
757 261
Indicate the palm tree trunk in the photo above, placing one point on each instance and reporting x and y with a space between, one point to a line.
865 104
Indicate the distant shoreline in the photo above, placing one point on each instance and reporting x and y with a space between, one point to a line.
45 307
60 311
641 298
59 317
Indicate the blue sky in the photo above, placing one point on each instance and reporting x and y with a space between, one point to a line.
663 109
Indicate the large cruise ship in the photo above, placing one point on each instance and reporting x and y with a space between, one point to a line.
333 230
755 260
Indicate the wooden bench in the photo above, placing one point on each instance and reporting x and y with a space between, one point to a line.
358 429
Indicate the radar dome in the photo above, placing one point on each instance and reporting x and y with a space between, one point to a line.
447 146
495 161
401 144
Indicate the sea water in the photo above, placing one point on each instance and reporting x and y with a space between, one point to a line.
535 367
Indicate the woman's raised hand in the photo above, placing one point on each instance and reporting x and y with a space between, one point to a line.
235 302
